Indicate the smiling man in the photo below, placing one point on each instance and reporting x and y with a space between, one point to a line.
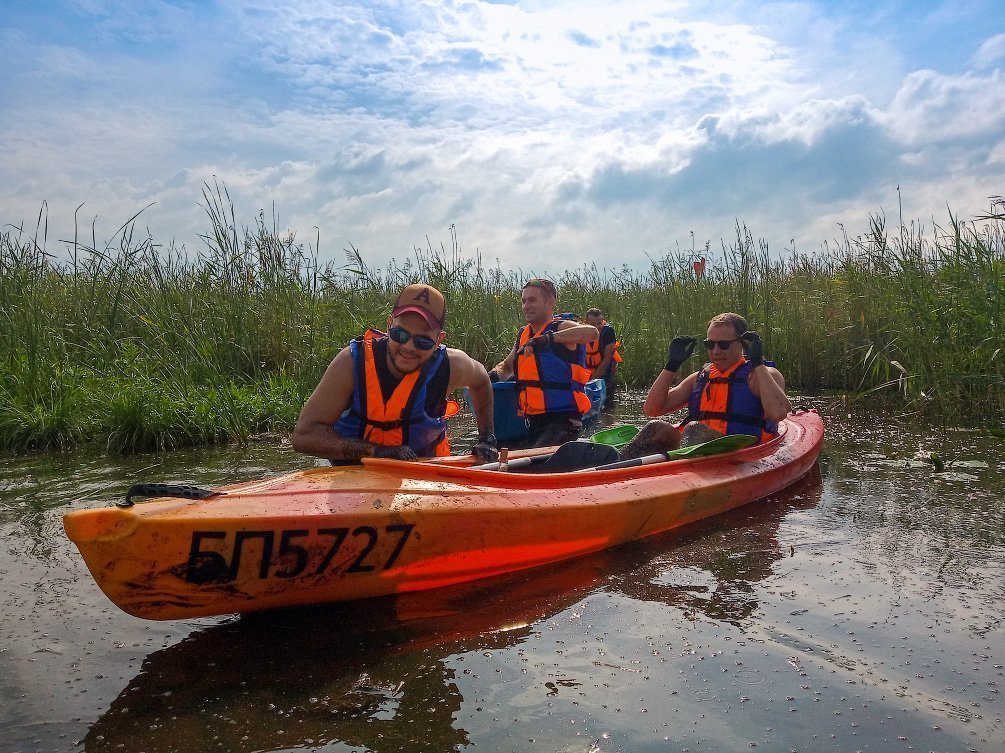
385 394
737 392
548 362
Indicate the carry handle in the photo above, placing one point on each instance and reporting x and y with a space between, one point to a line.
185 491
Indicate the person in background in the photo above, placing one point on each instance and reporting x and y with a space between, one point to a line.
737 392
602 356
548 362
385 394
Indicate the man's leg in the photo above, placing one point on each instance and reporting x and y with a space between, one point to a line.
554 431
698 433
655 436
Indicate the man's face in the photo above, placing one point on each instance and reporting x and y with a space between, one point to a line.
537 305
723 359
595 320
407 357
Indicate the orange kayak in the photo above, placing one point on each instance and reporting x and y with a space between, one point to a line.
388 526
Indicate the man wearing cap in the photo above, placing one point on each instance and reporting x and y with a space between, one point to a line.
385 394
549 364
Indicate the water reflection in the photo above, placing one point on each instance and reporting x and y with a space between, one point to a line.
377 675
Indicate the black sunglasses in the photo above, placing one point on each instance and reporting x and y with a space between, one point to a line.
723 344
401 336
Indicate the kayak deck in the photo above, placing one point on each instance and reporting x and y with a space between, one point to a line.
332 534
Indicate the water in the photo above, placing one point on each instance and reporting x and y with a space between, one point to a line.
861 610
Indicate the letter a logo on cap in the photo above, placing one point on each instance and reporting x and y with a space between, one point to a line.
424 300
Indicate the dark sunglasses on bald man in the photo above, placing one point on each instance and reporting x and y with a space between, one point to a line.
401 336
723 344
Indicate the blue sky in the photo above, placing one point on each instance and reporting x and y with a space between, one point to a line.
550 134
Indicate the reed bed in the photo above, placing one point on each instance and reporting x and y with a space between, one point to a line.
141 347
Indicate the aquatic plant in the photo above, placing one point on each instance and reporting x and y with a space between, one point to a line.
139 346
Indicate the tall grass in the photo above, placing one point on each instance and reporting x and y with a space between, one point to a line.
139 347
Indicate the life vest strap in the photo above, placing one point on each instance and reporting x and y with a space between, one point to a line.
723 416
385 425
574 386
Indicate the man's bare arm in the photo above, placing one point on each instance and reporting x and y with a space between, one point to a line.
467 372
572 334
504 369
769 385
664 398
314 433
605 361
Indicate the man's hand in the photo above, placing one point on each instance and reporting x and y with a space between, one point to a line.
486 449
395 452
540 342
751 342
681 348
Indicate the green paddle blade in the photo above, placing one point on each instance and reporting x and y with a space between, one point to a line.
617 436
727 443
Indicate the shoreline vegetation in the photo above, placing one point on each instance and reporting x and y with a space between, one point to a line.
131 346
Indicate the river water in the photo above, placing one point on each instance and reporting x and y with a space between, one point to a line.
861 610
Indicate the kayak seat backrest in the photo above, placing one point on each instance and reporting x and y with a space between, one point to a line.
573 456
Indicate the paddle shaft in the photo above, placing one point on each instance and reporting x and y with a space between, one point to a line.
644 460
510 464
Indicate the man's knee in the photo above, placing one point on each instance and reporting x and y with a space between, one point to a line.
654 437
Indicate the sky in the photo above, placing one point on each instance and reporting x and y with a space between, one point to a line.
544 135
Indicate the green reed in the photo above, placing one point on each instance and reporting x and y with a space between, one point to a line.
142 347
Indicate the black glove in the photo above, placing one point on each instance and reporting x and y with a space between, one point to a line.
486 450
493 376
395 452
681 348
751 342
542 341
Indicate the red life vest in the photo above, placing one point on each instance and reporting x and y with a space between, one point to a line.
546 383
402 420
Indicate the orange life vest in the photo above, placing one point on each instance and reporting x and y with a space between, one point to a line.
545 382
402 419
593 354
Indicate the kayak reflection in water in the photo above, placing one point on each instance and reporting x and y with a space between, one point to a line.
385 394
737 392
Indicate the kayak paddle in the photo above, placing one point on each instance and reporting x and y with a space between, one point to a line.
727 443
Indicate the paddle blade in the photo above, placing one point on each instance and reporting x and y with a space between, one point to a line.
727 443
617 436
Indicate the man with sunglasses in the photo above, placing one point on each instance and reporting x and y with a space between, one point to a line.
737 392
548 362
385 395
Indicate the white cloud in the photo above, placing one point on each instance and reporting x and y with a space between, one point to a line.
991 52
931 107
542 130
